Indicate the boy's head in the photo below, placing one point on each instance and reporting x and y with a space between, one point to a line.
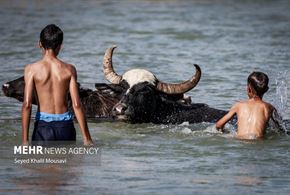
258 82
51 37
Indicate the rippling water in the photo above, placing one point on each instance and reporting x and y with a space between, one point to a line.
229 39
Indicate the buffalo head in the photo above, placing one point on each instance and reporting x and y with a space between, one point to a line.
144 95
14 88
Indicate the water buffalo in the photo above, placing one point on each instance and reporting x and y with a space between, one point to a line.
136 97
146 99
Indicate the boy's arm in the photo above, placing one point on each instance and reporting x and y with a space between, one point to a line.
221 123
277 119
27 104
78 108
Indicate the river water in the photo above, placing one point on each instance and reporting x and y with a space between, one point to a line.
228 39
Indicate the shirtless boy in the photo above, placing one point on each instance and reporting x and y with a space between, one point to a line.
51 80
253 114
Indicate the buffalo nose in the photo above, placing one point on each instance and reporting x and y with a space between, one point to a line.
120 108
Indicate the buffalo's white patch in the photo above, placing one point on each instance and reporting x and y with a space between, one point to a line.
136 76
6 85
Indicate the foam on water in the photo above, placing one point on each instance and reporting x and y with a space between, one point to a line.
201 129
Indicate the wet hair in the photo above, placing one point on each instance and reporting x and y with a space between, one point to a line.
51 37
259 83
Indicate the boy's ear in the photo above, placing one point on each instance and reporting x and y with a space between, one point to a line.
250 91
40 45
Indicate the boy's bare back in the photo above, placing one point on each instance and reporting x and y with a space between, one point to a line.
52 79
253 116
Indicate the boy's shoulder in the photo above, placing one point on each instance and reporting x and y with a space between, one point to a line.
263 104
29 68
36 67
269 106
71 68
241 102
38 63
67 65
33 65
239 105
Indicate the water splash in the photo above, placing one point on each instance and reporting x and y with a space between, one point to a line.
281 101
203 129
282 92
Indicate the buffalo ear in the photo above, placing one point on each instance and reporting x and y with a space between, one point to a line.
114 90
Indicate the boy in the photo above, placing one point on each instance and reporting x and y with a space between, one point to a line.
51 80
253 114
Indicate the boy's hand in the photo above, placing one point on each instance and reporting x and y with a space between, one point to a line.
220 130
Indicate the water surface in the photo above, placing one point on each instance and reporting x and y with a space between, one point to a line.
228 39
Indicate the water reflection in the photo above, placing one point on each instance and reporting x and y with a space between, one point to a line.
50 178
37 174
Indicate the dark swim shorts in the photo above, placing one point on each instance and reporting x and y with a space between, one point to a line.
49 127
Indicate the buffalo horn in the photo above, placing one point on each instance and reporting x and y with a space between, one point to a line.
180 88
108 69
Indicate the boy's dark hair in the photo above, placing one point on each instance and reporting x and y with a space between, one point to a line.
259 83
51 37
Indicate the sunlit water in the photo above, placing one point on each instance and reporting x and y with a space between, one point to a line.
228 39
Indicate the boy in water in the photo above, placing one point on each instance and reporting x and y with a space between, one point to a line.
51 80
253 114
